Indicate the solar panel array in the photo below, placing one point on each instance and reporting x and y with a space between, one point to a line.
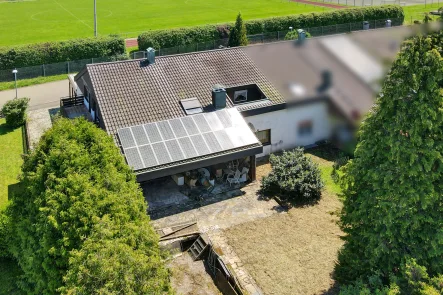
164 142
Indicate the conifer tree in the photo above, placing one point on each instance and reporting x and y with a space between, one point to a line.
237 36
393 187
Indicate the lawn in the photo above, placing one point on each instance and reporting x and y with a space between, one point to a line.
31 81
11 145
294 253
416 12
31 21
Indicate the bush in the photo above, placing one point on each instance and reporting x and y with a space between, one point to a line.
191 35
73 180
4 235
292 35
294 177
53 52
15 111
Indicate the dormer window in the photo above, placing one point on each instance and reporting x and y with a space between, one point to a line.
245 94
191 106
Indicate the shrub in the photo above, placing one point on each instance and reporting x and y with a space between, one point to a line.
4 235
237 36
15 111
73 179
53 52
292 35
294 177
191 35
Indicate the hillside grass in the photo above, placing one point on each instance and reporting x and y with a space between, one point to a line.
23 22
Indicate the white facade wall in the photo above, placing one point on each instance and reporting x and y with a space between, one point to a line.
284 126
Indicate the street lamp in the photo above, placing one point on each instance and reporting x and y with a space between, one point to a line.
14 71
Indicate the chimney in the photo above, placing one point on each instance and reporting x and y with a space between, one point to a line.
218 97
326 82
150 53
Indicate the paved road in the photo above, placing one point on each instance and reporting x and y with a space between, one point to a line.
42 96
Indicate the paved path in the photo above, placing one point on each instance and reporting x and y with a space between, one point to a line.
131 42
42 96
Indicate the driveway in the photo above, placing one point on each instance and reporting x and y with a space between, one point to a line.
42 96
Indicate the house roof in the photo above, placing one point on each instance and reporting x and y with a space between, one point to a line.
134 92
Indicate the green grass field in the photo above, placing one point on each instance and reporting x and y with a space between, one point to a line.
416 12
11 145
30 21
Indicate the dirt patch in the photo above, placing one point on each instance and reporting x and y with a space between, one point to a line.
190 277
263 169
294 253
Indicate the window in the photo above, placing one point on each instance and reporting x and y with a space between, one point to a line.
305 128
191 106
264 136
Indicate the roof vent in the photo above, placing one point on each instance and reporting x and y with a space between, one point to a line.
219 97
150 53
191 106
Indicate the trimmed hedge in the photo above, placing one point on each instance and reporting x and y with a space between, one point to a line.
53 52
199 34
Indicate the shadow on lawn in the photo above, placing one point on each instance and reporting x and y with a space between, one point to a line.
5 129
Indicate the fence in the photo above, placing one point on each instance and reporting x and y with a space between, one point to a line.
70 67
271 37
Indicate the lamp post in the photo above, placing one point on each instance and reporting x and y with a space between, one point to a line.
14 71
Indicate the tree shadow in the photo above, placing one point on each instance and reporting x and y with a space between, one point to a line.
327 152
5 129
15 189
333 290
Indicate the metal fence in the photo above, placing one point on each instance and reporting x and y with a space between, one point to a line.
67 67
269 37
75 66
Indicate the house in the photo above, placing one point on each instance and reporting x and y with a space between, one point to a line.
172 114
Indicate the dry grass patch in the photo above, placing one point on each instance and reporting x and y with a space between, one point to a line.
293 253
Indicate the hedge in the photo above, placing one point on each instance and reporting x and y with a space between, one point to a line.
199 34
53 52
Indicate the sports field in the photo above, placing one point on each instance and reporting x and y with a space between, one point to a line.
30 21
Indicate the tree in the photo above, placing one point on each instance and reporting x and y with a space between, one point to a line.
294 177
71 181
15 111
393 187
109 261
237 36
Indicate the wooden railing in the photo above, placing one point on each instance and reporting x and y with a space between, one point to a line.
71 101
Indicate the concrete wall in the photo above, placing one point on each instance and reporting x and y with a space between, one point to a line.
284 126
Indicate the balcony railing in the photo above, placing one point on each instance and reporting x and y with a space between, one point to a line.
71 101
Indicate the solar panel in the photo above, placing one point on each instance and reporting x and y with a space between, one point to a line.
153 133
174 150
126 138
212 142
190 126
161 153
178 128
200 145
224 139
214 121
148 156
201 123
187 147
165 130
140 135
224 118
133 158
169 141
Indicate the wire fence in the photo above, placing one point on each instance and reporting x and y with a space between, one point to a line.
71 67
